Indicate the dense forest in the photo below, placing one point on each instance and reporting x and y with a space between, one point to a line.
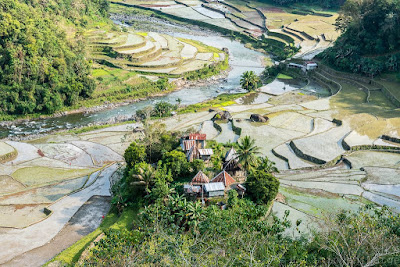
322 3
42 54
370 39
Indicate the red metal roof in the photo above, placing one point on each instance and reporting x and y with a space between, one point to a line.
223 177
197 136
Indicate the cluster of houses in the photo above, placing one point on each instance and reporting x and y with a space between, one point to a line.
201 186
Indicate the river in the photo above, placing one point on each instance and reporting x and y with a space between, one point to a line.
241 59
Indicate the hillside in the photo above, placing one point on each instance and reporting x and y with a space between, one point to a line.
42 62
370 40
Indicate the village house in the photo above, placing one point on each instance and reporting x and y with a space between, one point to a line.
202 186
224 178
214 189
231 164
193 145
308 65
200 178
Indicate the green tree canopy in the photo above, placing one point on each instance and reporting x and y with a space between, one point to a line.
262 187
249 81
370 38
41 69
134 154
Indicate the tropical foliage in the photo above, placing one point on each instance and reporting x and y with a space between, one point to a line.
249 81
247 152
370 38
41 69
323 3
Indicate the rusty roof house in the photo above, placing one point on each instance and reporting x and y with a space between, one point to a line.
194 147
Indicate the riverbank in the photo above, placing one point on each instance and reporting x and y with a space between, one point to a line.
179 84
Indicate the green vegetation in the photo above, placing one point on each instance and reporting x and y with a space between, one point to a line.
111 222
247 152
32 176
249 81
370 40
218 102
42 63
284 76
324 3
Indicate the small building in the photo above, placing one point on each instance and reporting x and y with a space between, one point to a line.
295 66
194 147
231 155
224 178
200 178
241 190
311 65
214 189
205 154
186 145
192 189
234 168
194 138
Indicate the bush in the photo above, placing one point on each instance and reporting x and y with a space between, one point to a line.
134 154
262 187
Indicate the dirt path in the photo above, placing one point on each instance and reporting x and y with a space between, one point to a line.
84 221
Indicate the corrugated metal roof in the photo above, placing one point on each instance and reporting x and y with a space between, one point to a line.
206 152
197 136
231 154
214 187
188 144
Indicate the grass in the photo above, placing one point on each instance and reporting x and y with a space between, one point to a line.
71 255
95 127
284 77
220 101
32 176
201 48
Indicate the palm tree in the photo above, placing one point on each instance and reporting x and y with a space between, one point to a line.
145 177
266 165
249 81
247 152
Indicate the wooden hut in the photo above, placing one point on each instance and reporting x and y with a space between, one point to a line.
200 178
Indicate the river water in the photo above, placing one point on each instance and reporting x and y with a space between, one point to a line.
241 59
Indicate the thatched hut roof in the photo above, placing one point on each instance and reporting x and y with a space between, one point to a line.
200 178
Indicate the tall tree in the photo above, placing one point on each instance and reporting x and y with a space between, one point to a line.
249 81
247 152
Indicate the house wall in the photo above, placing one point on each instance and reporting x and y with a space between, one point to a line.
216 193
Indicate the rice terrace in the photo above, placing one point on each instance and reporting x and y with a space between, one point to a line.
151 132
